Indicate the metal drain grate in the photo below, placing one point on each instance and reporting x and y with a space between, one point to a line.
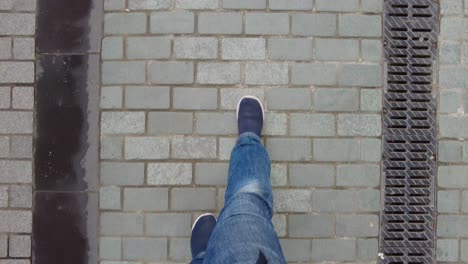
409 134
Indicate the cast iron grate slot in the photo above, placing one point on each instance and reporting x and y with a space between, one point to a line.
409 135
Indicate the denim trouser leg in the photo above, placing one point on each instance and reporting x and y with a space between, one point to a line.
244 227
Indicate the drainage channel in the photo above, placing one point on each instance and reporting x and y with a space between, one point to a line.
407 232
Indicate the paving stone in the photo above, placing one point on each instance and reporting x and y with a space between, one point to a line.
148 47
23 97
311 225
125 23
336 100
149 4
171 72
337 6
368 200
180 249
4 146
17 24
6 5
20 196
193 199
453 127
24 5
371 49
465 151
314 24
371 149
170 123
291 200
169 173
372 6
219 73
314 175
453 77
16 122
231 96
146 249
451 7
20 246
452 225
147 97
313 74
336 149
5 97
225 147
113 5
112 48
117 223
220 23
289 149
23 48
211 173
21 147
449 101
358 175
279 223
111 97
16 71
111 148
196 48
464 247
260 73
194 147
144 199
465 201
275 124
279 174
289 49
448 201
109 198
312 124
371 100
146 148
367 249
3 244
110 248
450 53
168 224
5 48
120 173
360 25
123 72
200 4
296 249
122 122
447 250
216 123
450 151
15 261
244 4
359 125
15 221
337 49
243 49
15 171
266 23
290 5
451 28
453 176
195 98
333 201
357 225
364 75
178 22
289 99
333 249
3 197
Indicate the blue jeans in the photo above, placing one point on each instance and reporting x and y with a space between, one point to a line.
244 232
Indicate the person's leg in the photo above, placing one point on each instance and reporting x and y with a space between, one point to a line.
244 232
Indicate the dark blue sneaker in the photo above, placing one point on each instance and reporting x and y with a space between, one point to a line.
250 115
201 233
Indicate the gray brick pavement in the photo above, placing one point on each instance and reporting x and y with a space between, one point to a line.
168 121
